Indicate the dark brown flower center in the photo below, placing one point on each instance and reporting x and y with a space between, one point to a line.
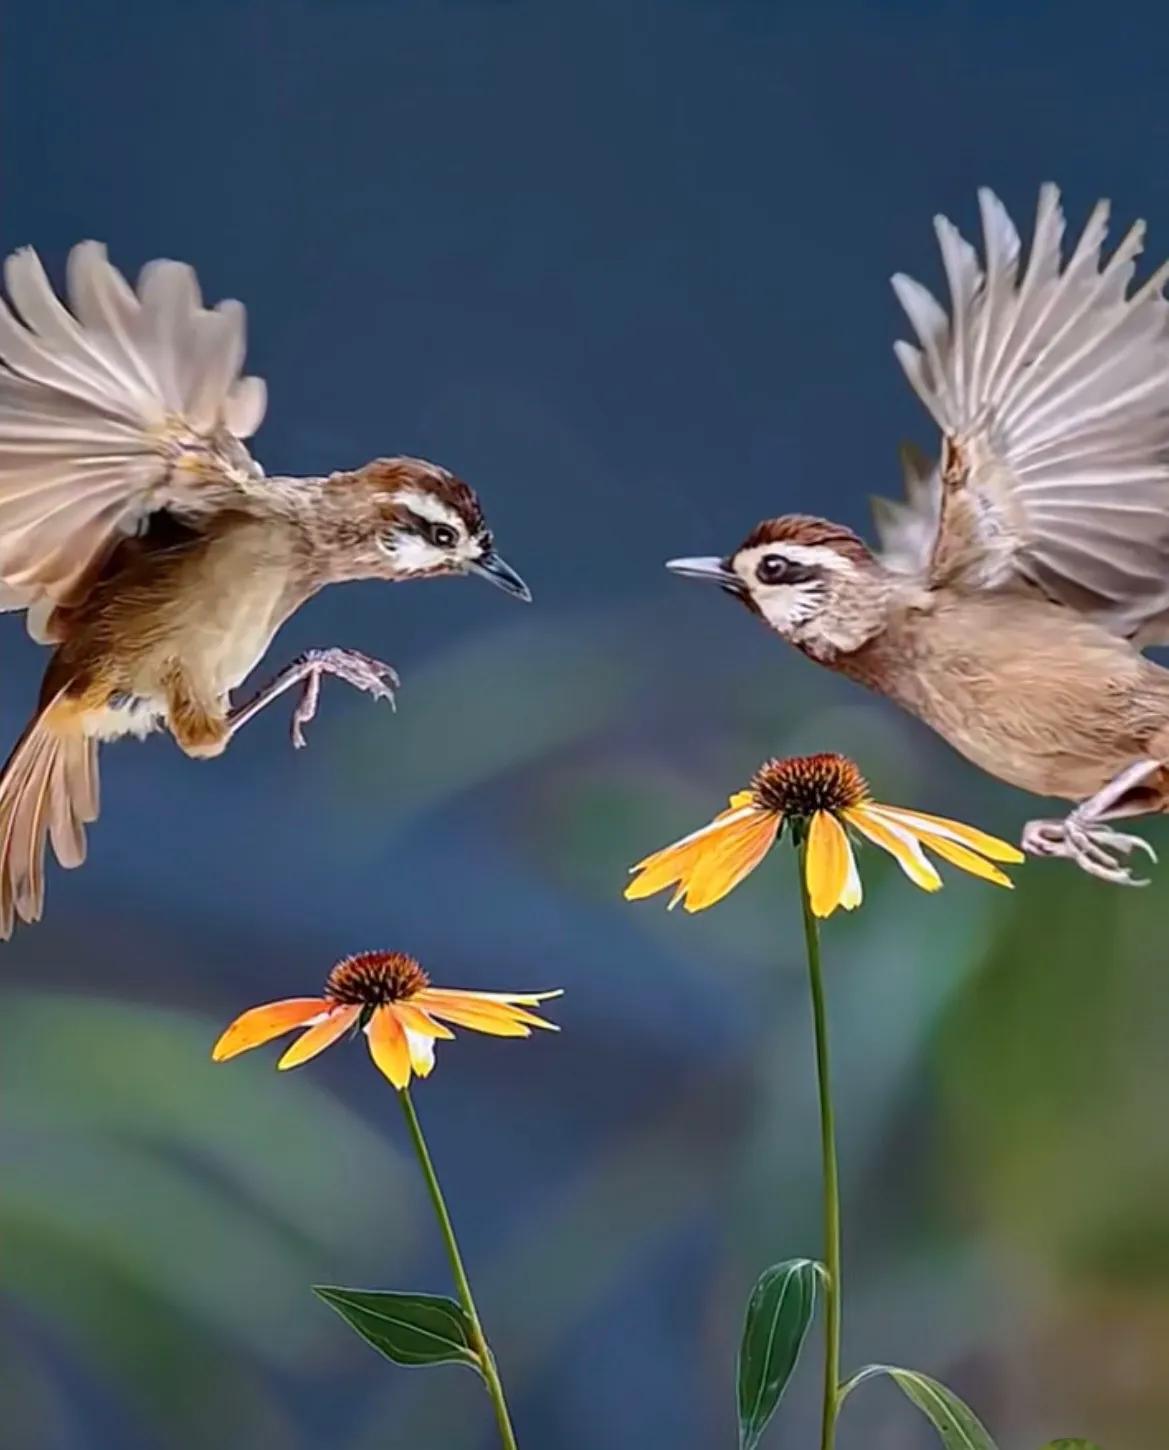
805 784
372 979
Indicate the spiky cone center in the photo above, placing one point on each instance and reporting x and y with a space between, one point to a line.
800 786
375 979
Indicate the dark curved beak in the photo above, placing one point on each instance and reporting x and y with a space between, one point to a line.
713 570
498 572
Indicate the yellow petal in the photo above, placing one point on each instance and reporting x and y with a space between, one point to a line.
674 863
708 864
491 1006
968 860
261 1024
898 842
317 1038
831 870
388 1046
918 822
720 869
414 1019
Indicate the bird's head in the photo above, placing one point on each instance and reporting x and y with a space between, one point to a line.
414 520
815 583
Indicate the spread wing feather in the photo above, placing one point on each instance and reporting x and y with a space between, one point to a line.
1051 388
116 406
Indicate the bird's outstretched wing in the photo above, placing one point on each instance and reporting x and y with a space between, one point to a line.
118 406
1050 383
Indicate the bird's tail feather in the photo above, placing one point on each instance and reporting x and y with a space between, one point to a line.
48 790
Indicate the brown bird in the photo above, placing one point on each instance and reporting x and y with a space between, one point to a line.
148 545
1029 567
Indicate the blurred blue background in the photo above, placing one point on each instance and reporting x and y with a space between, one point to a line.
624 266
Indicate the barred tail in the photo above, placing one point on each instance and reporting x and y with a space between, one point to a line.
48 789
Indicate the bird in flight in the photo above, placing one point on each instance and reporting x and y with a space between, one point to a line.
151 550
1017 585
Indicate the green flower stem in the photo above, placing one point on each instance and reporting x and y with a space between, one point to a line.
462 1283
831 1181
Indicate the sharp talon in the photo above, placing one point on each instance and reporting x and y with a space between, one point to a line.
1095 848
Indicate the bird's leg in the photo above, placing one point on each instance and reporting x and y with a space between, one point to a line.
1083 836
360 671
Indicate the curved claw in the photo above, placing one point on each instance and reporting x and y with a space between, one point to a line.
1095 849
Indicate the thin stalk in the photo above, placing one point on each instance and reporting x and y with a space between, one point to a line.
462 1283
830 1177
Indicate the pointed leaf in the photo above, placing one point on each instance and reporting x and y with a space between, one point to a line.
958 1427
410 1329
778 1314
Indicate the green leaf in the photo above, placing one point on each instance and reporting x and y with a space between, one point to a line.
410 1329
778 1314
1071 1445
958 1427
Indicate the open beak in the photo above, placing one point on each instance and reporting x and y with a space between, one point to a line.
496 571
713 570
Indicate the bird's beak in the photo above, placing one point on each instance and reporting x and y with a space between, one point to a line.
496 571
713 570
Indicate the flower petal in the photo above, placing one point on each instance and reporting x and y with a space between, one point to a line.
496 1022
897 840
320 1036
388 1046
421 1049
918 822
720 869
491 1006
261 1024
968 860
831 870
708 864
415 1020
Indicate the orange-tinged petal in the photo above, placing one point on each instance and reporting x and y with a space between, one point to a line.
261 1024
481 1020
918 822
723 867
672 863
711 862
414 1019
831 870
741 798
388 1046
968 860
492 1006
898 842
320 1036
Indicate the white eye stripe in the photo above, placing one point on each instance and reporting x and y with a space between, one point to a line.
427 506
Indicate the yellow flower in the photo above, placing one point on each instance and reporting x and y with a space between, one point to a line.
823 795
388 996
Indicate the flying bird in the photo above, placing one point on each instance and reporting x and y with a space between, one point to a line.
150 549
1028 567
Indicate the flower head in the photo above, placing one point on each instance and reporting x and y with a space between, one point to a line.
826 797
387 996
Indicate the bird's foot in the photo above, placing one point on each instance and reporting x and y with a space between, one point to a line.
1094 847
359 670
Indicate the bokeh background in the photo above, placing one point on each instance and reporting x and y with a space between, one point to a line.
623 265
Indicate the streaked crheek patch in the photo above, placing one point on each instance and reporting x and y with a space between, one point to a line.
414 552
787 606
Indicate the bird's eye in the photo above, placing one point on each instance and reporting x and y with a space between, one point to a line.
443 536
772 569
